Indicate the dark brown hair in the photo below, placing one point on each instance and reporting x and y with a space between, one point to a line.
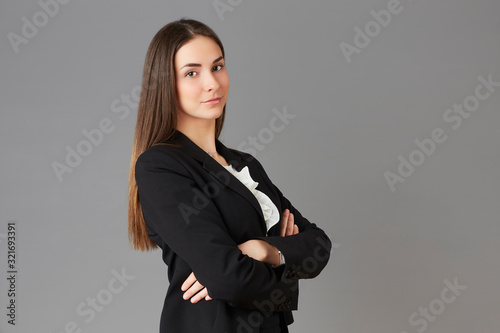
157 110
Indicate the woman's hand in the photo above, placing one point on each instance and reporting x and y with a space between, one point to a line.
255 248
191 286
260 250
288 226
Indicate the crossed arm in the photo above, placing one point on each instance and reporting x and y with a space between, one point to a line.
255 248
167 189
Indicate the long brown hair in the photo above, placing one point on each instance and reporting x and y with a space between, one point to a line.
157 110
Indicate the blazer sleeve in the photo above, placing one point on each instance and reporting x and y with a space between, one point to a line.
306 253
176 208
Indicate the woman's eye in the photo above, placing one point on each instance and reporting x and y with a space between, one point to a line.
221 66
191 73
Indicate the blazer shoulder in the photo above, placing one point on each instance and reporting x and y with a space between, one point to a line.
159 157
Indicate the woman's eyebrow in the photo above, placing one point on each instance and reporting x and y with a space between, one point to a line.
198 65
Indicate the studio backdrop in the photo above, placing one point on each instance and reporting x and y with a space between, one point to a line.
379 120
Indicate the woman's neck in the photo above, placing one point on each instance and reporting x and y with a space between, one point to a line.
203 135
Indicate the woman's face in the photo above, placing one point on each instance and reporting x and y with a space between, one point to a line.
201 75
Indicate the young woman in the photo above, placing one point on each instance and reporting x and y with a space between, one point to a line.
235 247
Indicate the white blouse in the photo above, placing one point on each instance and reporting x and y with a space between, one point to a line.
269 209
271 215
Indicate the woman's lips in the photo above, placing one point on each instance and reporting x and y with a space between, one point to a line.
212 101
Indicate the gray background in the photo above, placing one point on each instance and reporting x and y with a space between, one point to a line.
393 249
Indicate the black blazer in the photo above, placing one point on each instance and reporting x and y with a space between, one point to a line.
198 212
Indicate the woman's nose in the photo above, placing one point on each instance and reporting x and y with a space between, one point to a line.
211 82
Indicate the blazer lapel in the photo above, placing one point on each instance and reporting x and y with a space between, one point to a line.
218 171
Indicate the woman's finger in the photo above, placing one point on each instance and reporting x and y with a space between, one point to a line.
284 222
290 223
188 282
199 296
193 290
295 229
